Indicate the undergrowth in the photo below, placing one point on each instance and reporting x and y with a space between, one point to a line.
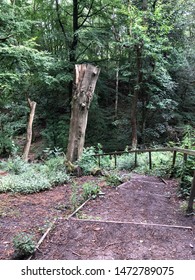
161 165
79 194
24 244
30 177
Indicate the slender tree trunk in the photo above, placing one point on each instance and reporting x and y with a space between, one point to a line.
32 106
86 76
135 97
137 88
116 93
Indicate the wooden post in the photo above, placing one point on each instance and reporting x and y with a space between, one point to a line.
150 160
192 195
173 163
185 157
99 160
174 158
135 159
115 160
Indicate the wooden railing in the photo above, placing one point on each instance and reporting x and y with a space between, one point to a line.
174 150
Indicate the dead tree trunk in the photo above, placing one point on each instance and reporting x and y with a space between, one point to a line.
86 76
32 106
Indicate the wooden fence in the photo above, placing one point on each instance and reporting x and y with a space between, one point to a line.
175 150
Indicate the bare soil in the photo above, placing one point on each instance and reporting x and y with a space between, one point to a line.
141 219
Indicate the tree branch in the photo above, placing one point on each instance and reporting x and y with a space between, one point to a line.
92 14
60 22
86 48
88 14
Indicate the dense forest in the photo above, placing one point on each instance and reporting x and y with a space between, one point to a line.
94 94
145 93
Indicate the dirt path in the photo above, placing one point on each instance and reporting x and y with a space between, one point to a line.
141 219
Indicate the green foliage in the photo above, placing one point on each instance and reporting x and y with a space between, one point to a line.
126 162
188 139
24 244
15 165
11 123
36 44
161 164
89 190
30 178
113 179
79 194
75 194
55 135
52 153
184 169
28 182
88 161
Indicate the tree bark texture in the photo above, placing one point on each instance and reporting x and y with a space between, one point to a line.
86 76
32 106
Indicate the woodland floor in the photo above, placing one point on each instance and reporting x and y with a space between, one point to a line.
137 220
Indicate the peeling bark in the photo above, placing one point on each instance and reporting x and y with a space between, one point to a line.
86 76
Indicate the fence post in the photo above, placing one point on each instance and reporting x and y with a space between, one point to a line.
115 160
174 158
99 160
185 156
150 160
135 159
192 195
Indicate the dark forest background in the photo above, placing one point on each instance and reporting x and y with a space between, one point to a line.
146 52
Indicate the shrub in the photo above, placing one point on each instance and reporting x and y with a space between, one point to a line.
24 244
113 179
30 178
126 162
58 177
90 191
161 164
28 182
52 153
87 161
56 163
15 165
